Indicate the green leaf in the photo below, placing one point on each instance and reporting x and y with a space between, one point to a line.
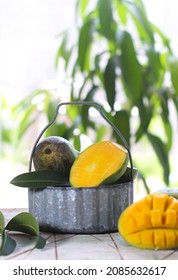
40 179
77 142
122 120
174 72
28 118
105 17
163 96
51 109
164 101
60 129
142 178
139 16
153 64
175 102
7 244
2 222
126 177
168 131
25 222
41 242
85 40
145 114
165 40
110 81
101 132
85 109
130 67
162 154
81 6
122 12
64 51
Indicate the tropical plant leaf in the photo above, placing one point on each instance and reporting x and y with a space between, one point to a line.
130 68
162 154
40 179
106 18
51 109
122 120
77 142
101 131
81 6
153 64
110 81
129 175
85 40
164 100
168 132
25 222
41 242
165 40
64 51
85 109
2 222
28 118
122 11
142 178
139 16
174 73
175 102
145 114
7 245
57 128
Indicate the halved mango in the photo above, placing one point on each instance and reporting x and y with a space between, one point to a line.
154 226
101 163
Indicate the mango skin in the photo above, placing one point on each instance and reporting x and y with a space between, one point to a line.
54 153
170 191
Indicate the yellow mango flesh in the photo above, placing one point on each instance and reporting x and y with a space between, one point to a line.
151 223
98 163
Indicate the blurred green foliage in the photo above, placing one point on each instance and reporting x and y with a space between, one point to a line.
122 61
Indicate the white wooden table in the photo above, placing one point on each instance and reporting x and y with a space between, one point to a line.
80 247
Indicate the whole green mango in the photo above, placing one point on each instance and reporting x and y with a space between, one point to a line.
54 153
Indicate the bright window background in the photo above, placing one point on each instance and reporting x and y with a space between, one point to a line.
28 45
28 34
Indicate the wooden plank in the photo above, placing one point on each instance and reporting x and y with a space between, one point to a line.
77 247
129 252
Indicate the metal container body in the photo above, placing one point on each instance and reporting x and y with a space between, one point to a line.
80 210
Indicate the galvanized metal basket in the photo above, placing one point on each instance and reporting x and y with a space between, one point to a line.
81 210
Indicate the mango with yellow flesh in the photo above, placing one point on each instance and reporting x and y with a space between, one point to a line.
101 163
151 223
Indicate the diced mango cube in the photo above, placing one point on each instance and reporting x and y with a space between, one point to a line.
159 240
147 238
159 201
144 205
170 218
174 204
142 221
134 238
156 218
170 238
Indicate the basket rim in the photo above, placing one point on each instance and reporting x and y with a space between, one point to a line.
77 189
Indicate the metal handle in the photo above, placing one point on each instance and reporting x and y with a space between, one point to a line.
89 103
